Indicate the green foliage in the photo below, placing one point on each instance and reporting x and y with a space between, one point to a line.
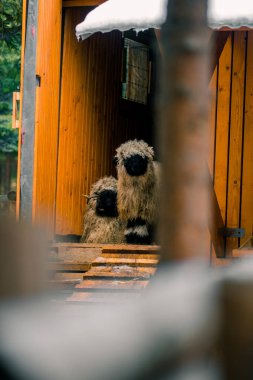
10 44
10 22
8 140
10 41
9 71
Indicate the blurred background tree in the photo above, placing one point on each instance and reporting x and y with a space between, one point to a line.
10 47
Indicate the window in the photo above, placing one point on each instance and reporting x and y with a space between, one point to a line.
136 68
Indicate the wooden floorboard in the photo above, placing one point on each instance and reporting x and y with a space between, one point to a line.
124 261
95 273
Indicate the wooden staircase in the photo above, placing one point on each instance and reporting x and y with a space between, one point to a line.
94 273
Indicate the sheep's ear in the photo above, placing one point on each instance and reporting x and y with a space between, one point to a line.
115 161
87 197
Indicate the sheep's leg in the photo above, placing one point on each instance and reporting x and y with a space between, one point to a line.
137 232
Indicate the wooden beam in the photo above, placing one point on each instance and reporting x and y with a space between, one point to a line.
184 138
216 223
26 146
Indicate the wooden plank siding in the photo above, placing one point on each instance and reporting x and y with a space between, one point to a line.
212 131
47 110
235 138
247 168
233 160
212 127
93 121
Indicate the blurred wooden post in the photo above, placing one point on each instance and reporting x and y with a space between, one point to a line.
184 115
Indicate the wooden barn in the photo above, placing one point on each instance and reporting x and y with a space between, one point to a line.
78 103
76 109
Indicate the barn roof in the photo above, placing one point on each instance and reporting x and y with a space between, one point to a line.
143 14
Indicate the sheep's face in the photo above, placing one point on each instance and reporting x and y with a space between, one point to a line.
134 156
136 165
103 197
106 203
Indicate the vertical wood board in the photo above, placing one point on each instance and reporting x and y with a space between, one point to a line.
236 132
222 132
47 110
90 86
247 179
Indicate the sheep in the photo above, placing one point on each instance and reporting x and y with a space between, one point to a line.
101 222
138 188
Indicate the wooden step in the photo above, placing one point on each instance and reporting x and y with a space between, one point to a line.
106 248
130 248
100 273
111 284
120 271
64 266
84 255
125 261
133 255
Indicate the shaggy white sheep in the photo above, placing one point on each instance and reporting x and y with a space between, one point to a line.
101 222
138 189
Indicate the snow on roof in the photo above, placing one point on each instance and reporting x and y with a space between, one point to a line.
231 14
143 14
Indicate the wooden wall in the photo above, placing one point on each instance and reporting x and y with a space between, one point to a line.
81 119
93 118
48 58
232 141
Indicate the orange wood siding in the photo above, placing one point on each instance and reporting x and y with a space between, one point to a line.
233 167
212 131
47 110
93 120
247 174
212 127
236 131
222 126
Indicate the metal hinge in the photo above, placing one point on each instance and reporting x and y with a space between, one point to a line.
233 232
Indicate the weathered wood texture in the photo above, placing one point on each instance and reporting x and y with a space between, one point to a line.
92 121
233 154
28 111
48 64
85 274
